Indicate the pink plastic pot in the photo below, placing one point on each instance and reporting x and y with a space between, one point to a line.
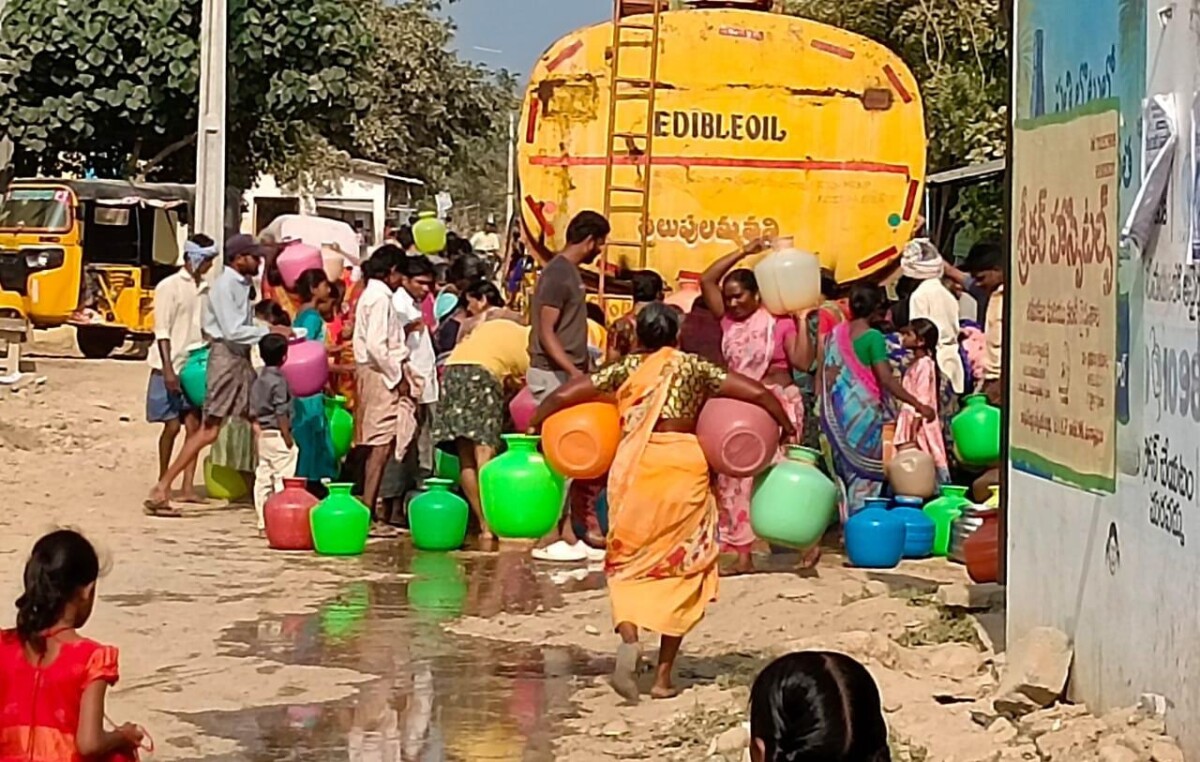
522 409
306 367
688 292
738 439
295 258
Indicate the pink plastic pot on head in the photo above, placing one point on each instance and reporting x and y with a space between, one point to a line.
522 409
738 439
306 368
295 258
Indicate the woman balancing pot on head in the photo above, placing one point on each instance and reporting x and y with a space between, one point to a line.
662 540
765 348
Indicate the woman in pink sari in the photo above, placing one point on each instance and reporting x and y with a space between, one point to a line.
764 347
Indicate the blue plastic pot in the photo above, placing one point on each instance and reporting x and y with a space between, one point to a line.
919 529
875 538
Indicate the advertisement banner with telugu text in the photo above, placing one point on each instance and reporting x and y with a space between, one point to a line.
1064 296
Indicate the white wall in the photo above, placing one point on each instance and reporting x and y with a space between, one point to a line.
1136 627
353 187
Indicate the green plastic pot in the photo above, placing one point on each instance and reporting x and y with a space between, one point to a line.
341 425
522 497
429 233
447 466
193 377
438 590
438 517
944 511
793 503
222 482
340 523
976 432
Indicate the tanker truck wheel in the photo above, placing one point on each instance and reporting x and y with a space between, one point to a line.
96 343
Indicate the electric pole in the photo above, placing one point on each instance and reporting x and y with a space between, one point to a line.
209 214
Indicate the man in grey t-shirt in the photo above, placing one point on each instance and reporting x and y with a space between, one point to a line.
558 349
558 342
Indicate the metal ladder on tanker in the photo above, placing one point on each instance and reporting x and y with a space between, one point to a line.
630 147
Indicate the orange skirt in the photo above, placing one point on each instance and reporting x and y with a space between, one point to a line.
662 539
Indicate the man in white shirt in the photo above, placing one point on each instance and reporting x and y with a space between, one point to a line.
177 304
487 241
386 415
415 286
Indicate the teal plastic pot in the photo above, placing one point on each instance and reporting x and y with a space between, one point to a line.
793 503
193 377
340 523
522 498
976 431
438 517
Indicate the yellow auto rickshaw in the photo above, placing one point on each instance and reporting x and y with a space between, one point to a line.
88 253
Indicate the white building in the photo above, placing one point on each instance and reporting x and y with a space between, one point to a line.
369 198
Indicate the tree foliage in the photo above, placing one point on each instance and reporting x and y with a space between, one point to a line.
958 53
439 117
111 86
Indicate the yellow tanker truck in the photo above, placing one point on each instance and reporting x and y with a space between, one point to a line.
699 128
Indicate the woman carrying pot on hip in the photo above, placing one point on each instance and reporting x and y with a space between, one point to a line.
763 347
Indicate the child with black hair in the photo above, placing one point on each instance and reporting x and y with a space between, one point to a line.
271 416
921 381
52 680
817 706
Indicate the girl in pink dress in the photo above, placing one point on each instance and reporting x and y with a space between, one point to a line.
921 381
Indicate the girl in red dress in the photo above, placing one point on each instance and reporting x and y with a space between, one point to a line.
52 680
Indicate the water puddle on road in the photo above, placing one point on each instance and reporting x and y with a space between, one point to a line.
439 696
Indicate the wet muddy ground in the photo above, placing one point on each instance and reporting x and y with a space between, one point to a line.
233 652
439 696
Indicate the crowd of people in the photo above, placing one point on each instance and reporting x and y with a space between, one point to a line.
428 356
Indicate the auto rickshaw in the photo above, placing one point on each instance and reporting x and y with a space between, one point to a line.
89 253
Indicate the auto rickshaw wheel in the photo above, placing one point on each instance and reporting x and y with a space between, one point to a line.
96 343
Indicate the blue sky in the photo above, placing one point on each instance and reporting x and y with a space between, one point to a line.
520 29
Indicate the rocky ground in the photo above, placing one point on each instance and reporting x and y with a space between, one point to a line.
74 450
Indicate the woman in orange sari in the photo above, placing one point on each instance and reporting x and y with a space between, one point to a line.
662 540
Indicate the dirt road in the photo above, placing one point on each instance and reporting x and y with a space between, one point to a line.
229 651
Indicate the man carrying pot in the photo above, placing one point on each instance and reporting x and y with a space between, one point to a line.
228 325
177 306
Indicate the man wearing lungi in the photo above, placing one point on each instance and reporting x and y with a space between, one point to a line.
385 421
228 326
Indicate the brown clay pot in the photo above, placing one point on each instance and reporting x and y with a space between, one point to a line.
912 472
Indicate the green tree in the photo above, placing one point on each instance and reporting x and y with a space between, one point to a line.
111 85
434 115
958 53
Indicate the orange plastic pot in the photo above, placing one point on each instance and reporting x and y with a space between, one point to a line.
581 441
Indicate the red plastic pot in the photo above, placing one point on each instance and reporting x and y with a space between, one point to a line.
286 515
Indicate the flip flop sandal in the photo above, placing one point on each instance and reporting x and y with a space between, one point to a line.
161 510
624 676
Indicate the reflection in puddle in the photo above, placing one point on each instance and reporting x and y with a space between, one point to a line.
438 696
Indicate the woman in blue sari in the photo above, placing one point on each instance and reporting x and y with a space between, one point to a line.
856 374
310 428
